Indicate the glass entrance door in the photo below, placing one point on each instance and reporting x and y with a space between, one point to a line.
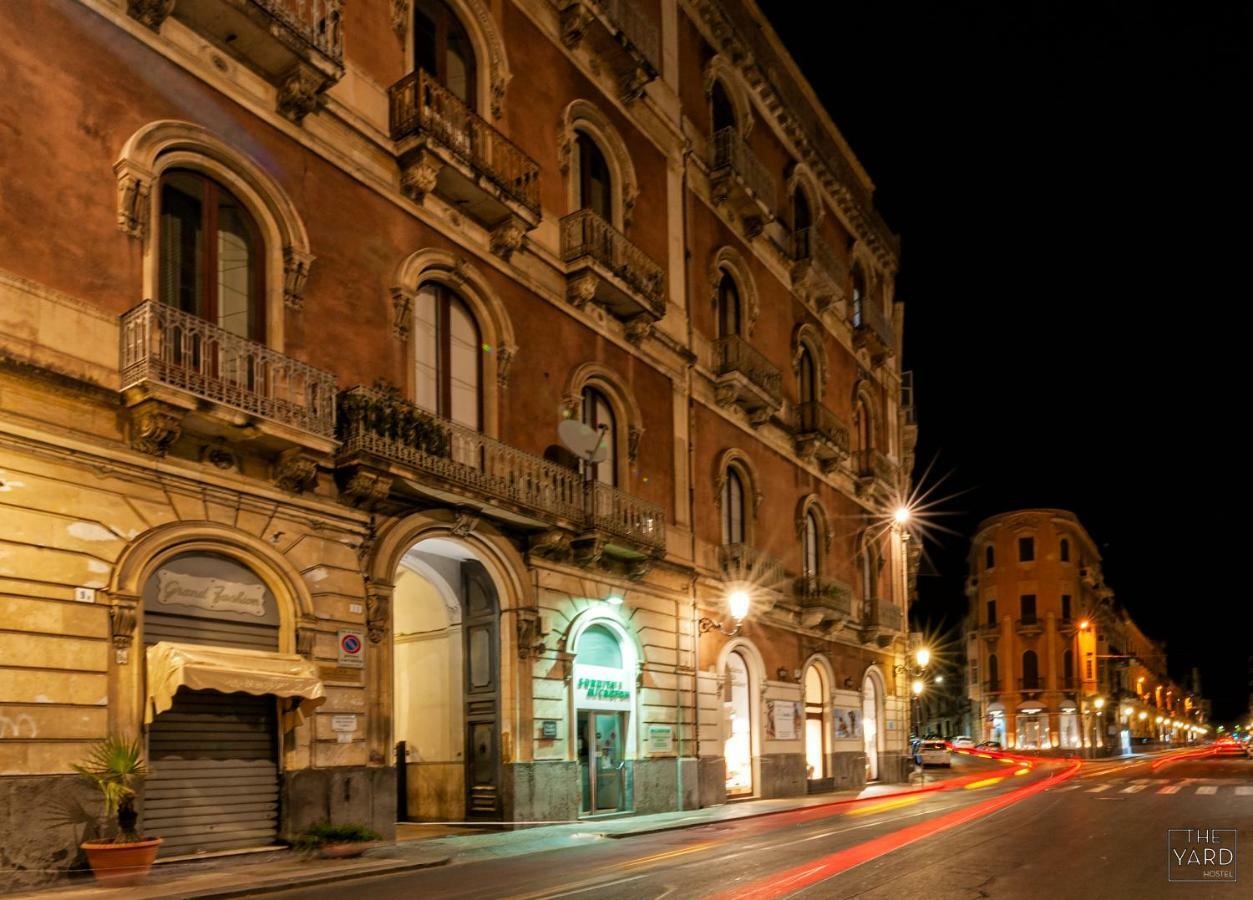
602 761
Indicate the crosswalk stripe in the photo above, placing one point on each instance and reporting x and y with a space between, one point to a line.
1170 789
1133 788
1208 789
1244 790
1099 788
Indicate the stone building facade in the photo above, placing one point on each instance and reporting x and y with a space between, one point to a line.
1054 661
295 298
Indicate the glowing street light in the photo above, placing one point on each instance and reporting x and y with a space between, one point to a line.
923 656
1143 715
902 515
917 687
738 603
1099 702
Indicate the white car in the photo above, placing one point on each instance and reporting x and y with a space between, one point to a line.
933 753
962 742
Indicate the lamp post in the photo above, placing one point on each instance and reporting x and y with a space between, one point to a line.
917 672
738 603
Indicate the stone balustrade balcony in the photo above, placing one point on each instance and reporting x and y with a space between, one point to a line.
746 378
604 267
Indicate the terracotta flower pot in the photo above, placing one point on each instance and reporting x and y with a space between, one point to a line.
117 865
345 850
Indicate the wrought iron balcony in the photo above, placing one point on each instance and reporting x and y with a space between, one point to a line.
603 266
875 473
871 329
821 434
824 602
741 181
817 273
447 149
743 563
881 621
389 444
186 363
621 33
745 377
296 44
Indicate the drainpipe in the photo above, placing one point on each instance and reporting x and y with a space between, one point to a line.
691 469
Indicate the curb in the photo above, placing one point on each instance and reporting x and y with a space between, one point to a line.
286 883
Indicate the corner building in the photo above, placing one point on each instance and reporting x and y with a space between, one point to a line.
293 298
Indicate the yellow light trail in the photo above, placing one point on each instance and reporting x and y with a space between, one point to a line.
669 854
1023 771
984 783
886 804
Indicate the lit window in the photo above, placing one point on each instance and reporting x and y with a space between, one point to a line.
733 508
448 365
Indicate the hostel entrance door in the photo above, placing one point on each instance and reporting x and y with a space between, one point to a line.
602 761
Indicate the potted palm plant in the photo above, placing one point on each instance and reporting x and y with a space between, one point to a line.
115 765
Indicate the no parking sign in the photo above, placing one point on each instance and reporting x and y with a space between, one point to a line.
351 649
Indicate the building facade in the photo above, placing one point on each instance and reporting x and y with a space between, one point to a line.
393 393
1054 661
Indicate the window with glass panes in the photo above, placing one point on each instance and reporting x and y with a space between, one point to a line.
448 361
733 508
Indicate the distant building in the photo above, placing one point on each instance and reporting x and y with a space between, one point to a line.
1054 662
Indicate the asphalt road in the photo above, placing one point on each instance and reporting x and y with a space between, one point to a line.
1100 833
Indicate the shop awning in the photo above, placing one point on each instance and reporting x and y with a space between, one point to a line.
996 708
230 670
1032 707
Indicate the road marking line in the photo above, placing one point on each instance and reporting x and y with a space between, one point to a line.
1170 789
1244 790
1064 788
1133 788
1099 788
1210 789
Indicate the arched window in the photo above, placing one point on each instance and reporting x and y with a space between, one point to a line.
594 186
448 373
811 565
737 746
721 108
815 732
863 425
1030 671
729 311
598 646
989 557
802 217
212 263
859 295
994 675
807 376
869 572
1065 550
598 413
441 47
733 531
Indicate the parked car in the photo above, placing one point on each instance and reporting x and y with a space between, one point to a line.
988 745
962 742
1230 747
933 753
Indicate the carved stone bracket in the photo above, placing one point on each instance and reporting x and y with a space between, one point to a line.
553 544
400 17
419 173
504 359
366 489
300 93
759 417
306 637
154 427
638 329
123 616
150 13
634 434
724 395
587 551
507 237
133 198
295 471
582 290
530 634
402 311
632 82
638 570
752 226
575 17
378 606
467 520
295 270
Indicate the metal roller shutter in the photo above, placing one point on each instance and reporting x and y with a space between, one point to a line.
214 781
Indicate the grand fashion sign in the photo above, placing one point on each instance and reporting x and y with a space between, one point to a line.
216 594
209 586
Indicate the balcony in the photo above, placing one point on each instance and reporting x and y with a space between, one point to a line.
620 33
818 276
741 182
875 474
1030 685
181 373
297 45
821 435
394 451
604 267
450 151
881 622
742 563
992 686
1030 625
872 330
825 604
744 377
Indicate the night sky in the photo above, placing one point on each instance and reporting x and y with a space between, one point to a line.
1073 193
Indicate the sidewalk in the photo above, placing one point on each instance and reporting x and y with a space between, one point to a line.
238 875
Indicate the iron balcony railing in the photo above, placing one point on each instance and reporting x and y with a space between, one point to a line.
163 345
814 418
585 234
636 27
809 246
420 104
870 463
883 613
734 354
814 591
744 563
731 153
384 425
316 22
868 316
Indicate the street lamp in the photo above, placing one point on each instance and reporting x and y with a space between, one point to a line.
902 515
738 603
917 687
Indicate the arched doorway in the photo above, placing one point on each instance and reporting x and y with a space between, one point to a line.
737 746
870 725
817 744
446 685
605 662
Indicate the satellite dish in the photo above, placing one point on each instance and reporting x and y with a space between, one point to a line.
587 443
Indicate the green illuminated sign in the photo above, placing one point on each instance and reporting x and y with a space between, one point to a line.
603 690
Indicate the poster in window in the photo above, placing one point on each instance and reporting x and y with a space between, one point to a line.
847 723
781 719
